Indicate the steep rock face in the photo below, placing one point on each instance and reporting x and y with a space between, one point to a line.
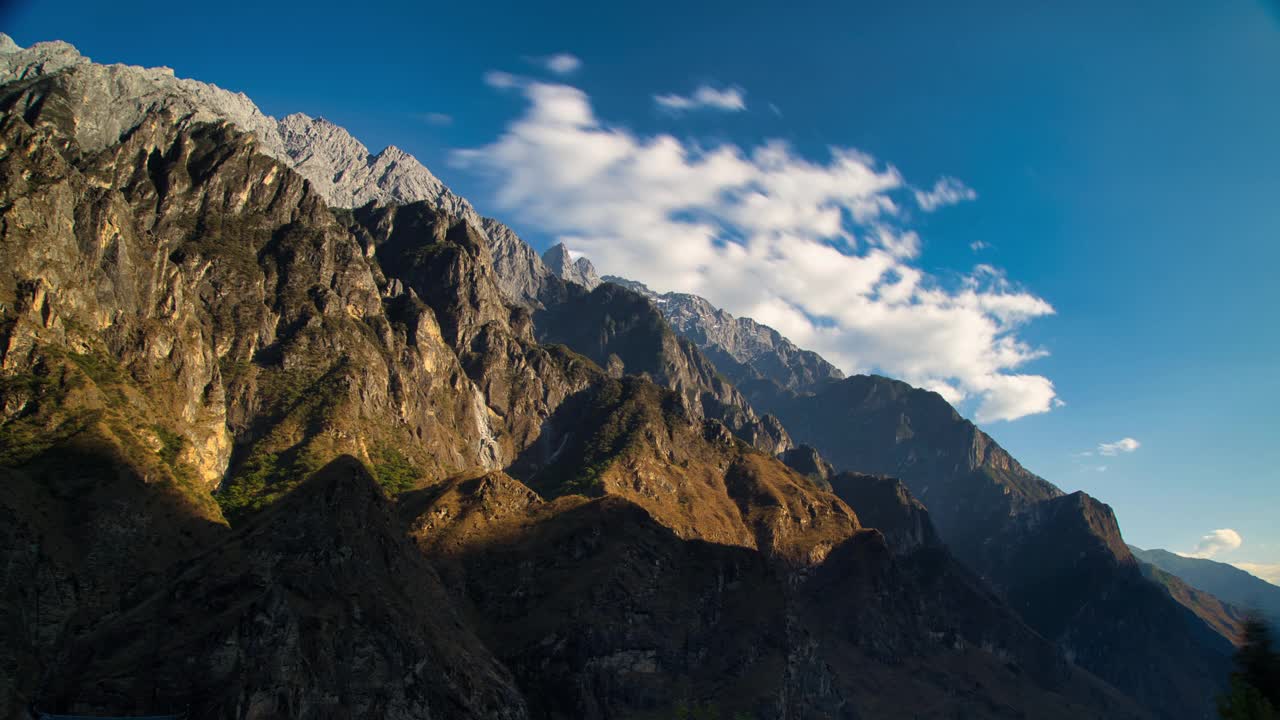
979 497
1063 566
742 348
52 83
101 103
446 262
522 276
632 439
1058 559
622 332
877 425
806 460
226 292
561 264
325 575
347 175
179 313
887 505
104 102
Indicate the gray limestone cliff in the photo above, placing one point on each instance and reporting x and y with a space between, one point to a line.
563 265
742 348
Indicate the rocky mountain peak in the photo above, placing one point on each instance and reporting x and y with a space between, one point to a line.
560 261
348 175
743 349
108 101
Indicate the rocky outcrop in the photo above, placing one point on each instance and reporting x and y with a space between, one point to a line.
622 332
1064 567
632 439
522 276
347 175
217 285
1058 559
446 263
876 425
562 264
886 504
102 103
743 349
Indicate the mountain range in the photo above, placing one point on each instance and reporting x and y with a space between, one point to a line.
1225 582
288 429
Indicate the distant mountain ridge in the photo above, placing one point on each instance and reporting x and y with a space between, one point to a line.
1226 582
111 99
742 348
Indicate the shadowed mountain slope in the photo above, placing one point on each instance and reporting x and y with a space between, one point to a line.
1059 560
325 576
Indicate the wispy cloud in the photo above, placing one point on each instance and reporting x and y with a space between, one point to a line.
979 245
816 249
559 63
435 118
728 99
1216 542
1124 445
501 80
1267 571
947 191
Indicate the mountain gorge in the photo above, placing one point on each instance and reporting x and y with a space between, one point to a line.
287 429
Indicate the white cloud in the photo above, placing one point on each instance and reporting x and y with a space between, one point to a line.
1267 571
728 99
815 249
947 191
501 80
1218 541
979 245
561 63
435 118
1125 445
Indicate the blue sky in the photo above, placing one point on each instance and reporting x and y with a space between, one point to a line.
1124 157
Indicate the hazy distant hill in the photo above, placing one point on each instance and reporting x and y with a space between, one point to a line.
1226 582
